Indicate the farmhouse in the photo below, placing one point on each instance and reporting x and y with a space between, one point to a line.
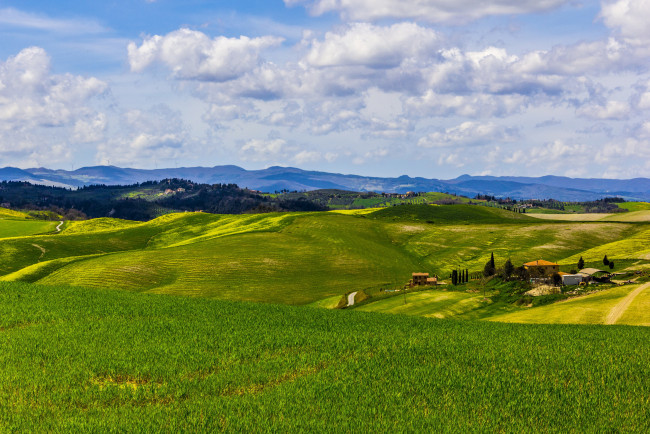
542 267
421 279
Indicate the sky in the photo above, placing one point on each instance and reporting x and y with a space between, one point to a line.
431 88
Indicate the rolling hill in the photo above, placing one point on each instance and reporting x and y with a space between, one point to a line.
300 258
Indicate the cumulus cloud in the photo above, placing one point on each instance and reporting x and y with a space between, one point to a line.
31 96
192 55
264 150
436 11
363 44
551 155
612 110
468 134
629 18
39 110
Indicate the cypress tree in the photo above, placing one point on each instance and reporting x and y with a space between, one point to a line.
492 262
605 260
581 263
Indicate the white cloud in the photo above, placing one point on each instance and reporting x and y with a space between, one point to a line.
629 18
30 96
468 134
436 11
551 155
363 44
40 111
264 150
192 55
90 129
612 110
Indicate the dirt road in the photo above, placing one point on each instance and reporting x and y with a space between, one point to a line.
58 228
617 311
351 298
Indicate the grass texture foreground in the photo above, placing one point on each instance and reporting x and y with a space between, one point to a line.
94 360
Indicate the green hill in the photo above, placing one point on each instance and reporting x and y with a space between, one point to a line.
295 258
450 214
79 360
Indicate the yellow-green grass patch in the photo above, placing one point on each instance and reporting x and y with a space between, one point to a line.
638 313
634 206
10 213
583 217
632 216
589 309
99 224
431 303
635 246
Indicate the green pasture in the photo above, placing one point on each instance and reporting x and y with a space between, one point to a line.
20 228
432 303
635 206
80 360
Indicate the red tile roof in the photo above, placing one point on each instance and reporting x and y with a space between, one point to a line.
539 262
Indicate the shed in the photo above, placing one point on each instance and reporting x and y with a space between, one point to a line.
571 279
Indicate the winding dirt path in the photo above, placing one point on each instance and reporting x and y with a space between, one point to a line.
617 311
351 298
58 228
42 249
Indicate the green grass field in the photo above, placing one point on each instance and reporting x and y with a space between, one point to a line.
433 304
635 206
84 360
19 228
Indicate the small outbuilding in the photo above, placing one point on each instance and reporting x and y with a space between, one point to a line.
572 279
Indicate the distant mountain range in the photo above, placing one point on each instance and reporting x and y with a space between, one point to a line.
289 178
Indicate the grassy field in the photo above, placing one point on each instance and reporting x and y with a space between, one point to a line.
298 258
590 309
433 304
579 217
20 228
632 216
93 360
635 206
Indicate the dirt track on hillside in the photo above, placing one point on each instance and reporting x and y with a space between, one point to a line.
617 311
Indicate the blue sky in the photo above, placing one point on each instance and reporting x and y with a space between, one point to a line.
432 88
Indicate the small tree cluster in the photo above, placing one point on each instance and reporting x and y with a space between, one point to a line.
459 276
490 268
